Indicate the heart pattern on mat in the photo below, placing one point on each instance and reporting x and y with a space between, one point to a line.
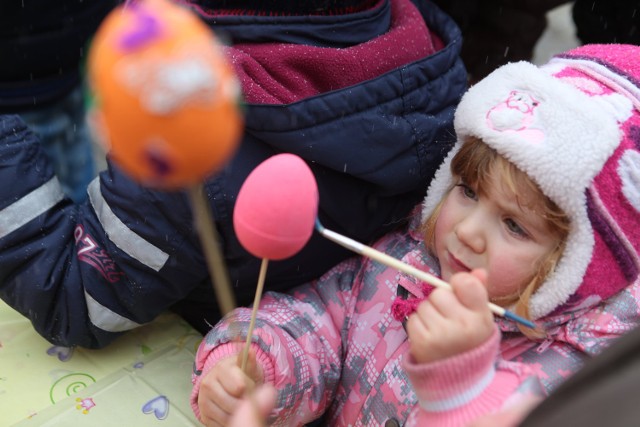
63 353
158 406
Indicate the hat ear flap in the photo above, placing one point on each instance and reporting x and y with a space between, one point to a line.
618 106
629 170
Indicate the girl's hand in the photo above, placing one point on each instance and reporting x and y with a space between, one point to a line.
223 387
449 323
255 408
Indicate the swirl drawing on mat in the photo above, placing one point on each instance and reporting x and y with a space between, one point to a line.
69 385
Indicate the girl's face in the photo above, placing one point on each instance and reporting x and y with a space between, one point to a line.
491 231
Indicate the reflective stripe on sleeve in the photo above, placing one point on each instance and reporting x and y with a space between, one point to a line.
106 319
30 206
121 235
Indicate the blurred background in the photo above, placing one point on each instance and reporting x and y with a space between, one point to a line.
560 34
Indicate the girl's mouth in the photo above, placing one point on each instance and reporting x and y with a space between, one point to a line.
456 264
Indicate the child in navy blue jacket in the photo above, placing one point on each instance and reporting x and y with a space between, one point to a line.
373 131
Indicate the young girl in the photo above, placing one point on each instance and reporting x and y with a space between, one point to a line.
535 209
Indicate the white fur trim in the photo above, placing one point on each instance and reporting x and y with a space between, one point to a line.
440 184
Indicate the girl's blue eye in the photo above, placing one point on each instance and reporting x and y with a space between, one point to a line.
515 228
467 191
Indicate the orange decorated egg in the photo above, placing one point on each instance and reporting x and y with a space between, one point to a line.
166 100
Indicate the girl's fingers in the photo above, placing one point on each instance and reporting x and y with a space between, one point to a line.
210 413
426 321
252 370
235 382
444 302
481 274
264 400
416 327
221 390
254 409
429 314
226 400
470 290
213 416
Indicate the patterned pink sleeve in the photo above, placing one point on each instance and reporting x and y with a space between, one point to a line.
298 343
454 391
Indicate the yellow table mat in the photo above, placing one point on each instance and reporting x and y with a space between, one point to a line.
143 378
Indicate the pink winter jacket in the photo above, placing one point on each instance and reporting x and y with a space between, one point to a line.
333 347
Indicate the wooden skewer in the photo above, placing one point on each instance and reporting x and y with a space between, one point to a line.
213 255
256 302
385 259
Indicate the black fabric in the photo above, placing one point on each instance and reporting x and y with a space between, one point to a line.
335 31
610 21
285 7
43 44
496 32
603 393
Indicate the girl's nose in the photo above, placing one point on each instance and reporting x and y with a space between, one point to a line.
471 231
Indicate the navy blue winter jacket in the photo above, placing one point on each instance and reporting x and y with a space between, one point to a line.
84 274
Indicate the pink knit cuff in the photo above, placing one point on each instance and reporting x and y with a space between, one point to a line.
453 375
455 390
223 351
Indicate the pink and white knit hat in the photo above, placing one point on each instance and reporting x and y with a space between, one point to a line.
573 126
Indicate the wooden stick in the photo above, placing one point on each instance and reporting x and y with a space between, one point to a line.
256 302
385 259
213 255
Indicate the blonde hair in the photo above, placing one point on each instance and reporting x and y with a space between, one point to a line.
477 164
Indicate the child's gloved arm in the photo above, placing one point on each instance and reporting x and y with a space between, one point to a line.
84 274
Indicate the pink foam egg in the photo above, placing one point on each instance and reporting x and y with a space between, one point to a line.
276 208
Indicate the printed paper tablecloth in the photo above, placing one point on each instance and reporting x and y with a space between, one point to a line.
142 379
